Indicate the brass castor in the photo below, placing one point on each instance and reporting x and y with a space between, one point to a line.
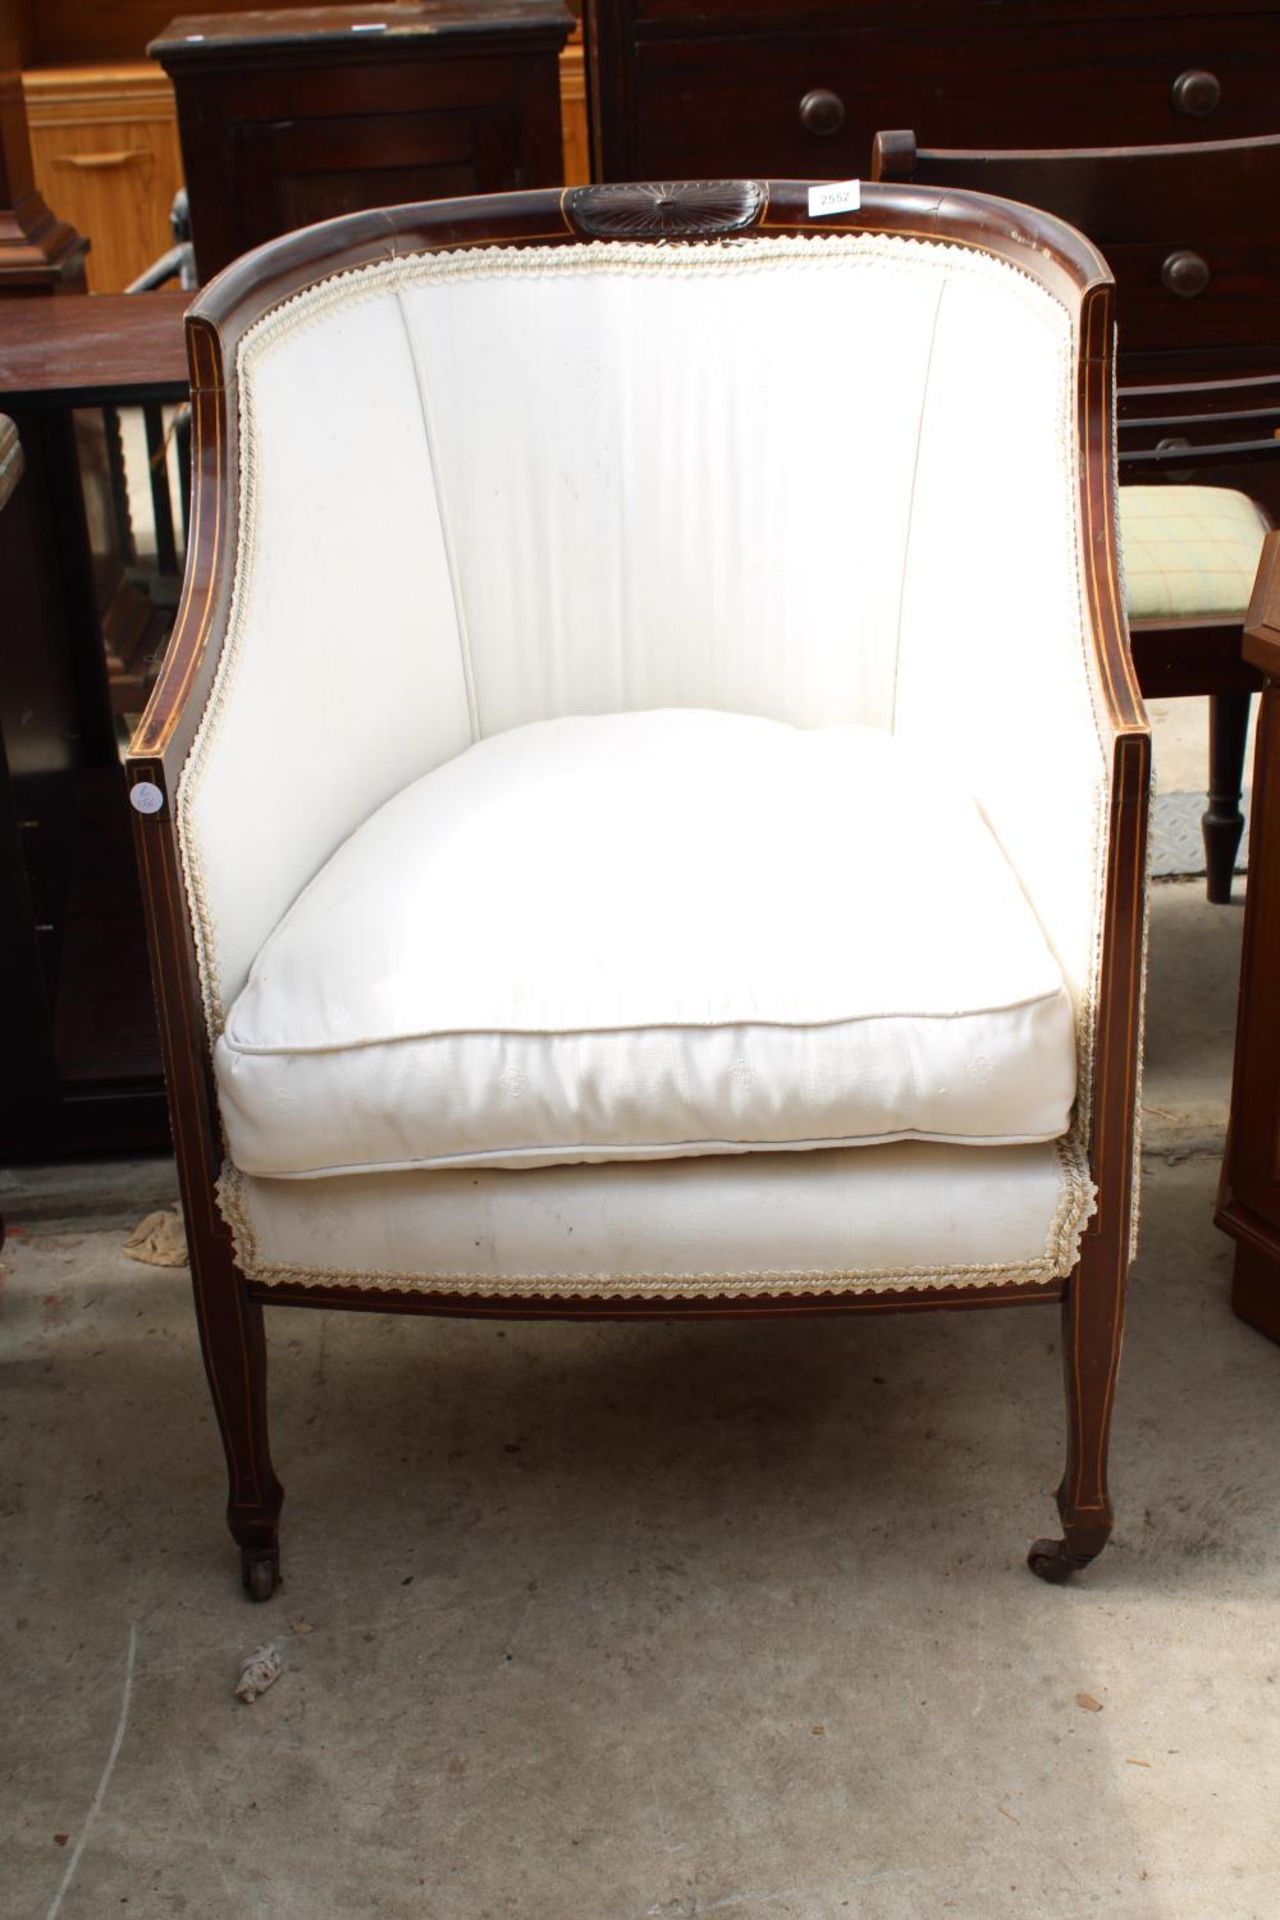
1050 1560
260 1571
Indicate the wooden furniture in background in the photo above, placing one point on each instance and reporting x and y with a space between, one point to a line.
103 122
77 1022
74 31
105 150
1192 234
688 89
293 116
1249 1196
38 252
575 138
104 142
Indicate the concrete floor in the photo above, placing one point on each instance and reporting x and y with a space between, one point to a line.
594 1624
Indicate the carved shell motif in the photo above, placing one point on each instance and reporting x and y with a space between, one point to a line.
662 210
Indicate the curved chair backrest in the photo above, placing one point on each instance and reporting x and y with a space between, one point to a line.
472 464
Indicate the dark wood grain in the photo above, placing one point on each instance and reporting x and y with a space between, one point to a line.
1178 659
1218 200
1249 1195
798 1306
1262 622
198 37
1049 253
106 346
677 16
713 87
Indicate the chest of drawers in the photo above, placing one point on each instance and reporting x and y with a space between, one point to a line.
696 88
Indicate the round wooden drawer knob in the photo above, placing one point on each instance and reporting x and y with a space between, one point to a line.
1196 92
822 112
1185 273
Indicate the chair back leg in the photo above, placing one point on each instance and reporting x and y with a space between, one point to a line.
1222 822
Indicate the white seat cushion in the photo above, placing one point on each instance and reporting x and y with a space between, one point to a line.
651 935
1189 551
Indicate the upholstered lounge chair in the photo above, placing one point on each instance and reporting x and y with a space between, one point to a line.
644 810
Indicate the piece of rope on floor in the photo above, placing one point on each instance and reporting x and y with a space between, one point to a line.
159 1240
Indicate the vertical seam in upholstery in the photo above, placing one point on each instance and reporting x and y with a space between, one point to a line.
446 530
911 505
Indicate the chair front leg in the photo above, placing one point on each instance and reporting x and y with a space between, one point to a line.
1092 1331
233 1342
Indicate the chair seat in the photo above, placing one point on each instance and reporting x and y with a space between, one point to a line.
655 934
1189 551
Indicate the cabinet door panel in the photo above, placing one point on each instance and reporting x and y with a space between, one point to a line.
293 172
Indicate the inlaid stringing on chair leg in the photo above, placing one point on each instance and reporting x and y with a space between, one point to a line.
233 1343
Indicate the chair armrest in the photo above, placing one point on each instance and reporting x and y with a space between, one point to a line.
1262 622
164 734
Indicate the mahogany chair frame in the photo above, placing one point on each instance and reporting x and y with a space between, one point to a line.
1152 210
229 1305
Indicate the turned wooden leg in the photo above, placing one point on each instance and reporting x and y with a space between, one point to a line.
1222 822
1092 1329
235 1357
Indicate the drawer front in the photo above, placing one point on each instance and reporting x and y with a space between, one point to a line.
791 16
797 105
1229 299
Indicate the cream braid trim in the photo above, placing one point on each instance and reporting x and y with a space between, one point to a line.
1076 1202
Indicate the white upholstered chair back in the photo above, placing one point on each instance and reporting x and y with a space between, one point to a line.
822 480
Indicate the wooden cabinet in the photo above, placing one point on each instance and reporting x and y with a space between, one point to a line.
296 115
688 88
77 1022
104 142
1249 1195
